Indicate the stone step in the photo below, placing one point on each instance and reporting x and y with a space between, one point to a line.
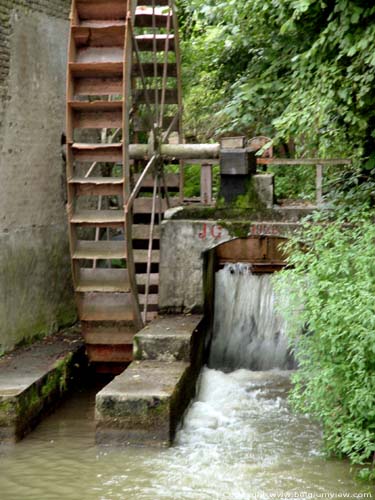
169 338
33 380
144 404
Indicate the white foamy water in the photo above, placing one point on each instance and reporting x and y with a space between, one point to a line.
248 333
239 441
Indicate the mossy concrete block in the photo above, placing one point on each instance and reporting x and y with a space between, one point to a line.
144 405
33 380
169 338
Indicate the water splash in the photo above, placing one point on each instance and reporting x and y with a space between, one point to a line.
248 333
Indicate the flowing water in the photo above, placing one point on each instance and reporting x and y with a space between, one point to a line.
247 331
238 440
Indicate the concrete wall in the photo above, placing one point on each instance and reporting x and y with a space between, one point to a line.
182 245
181 262
35 286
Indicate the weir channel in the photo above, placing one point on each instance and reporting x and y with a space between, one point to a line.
238 439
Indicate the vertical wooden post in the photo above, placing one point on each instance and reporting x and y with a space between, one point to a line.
319 185
206 184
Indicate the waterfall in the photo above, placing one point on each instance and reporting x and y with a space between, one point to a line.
248 333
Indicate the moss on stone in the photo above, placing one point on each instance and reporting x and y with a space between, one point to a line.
236 229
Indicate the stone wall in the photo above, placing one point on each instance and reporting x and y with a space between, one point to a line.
35 286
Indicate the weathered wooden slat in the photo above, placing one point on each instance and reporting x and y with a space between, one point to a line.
145 18
171 96
96 114
109 306
144 205
97 186
146 43
101 9
91 55
98 86
142 232
172 181
99 250
154 279
103 280
150 2
99 36
303 161
101 69
97 152
108 338
110 280
108 250
106 307
110 353
149 70
108 218
256 250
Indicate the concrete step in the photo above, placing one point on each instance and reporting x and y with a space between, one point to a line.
34 379
144 404
169 338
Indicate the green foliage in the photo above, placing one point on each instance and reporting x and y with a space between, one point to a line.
331 285
301 70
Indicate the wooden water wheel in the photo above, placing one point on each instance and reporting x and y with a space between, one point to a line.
123 88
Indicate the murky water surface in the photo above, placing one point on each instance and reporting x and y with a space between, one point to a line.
239 442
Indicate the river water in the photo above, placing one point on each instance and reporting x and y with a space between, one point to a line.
238 441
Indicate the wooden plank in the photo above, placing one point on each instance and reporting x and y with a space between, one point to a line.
149 70
142 96
97 119
144 205
97 186
142 232
154 279
255 250
99 250
97 86
172 180
110 280
99 23
103 280
95 55
98 181
101 69
106 307
97 152
206 184
98 217
96 114
140 256
110 353
108 338
150 2
144 17
95 106
302 161
99 36
101 9
146 42
109 306
99 189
